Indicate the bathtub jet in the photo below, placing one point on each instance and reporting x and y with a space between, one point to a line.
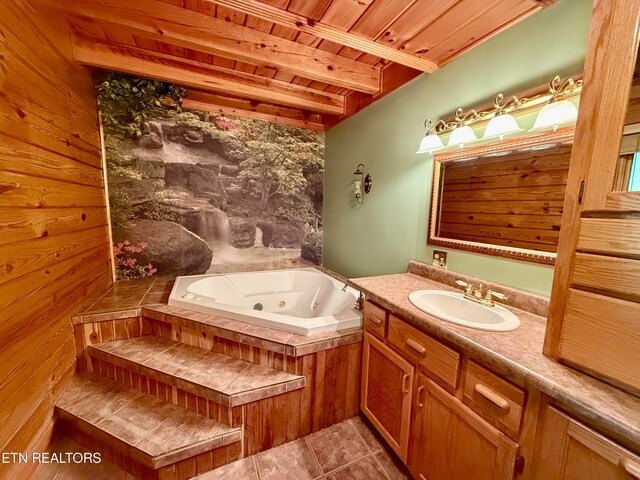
303 300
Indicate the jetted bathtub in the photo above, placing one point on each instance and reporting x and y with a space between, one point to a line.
303 300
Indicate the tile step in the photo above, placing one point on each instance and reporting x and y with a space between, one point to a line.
226 380
142 427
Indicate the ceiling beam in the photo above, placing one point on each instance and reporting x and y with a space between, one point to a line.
189 73
393 77
327 32
186 28
208 102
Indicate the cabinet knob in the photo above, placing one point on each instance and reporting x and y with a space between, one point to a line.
374 320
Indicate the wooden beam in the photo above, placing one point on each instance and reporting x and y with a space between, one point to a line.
186 28
256 111
393 77
327 32
194 74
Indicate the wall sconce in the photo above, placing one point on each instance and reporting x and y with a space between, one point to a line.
431 141
361 183
557 112
463 133
503 123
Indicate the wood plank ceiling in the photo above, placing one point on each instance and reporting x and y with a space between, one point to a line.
310 63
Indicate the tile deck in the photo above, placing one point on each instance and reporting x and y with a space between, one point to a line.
151 431
223 379
148 298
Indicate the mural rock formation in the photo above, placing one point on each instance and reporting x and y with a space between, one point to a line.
172 249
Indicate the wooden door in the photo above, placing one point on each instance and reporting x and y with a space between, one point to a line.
450 442
386 392
593 317
567 450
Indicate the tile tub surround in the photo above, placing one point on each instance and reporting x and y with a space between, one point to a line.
529 302
329 364
516 354
148 298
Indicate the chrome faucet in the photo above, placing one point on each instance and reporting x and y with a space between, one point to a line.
476 295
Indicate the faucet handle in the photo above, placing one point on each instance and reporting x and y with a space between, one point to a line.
467 286
491 295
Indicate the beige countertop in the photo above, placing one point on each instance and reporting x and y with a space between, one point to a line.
516 354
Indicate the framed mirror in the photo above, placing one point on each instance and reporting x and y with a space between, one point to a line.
503 199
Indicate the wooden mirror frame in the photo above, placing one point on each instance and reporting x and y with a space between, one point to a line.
547 258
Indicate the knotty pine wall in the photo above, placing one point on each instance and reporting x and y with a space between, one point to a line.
54 244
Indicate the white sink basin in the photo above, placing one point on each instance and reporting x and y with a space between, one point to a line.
454 308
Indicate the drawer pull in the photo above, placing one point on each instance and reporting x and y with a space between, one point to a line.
376 321
416 346
421 477
492 396
631 467
405 387
419 395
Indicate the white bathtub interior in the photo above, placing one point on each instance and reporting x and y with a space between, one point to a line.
305 301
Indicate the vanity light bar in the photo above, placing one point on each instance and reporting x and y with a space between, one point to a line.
556 112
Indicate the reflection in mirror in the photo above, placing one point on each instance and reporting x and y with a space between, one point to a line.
627 178
503 200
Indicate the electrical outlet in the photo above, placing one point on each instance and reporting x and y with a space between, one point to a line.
439 259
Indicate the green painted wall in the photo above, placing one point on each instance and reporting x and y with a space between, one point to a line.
389 229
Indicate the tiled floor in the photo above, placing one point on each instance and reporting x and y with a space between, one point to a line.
346 451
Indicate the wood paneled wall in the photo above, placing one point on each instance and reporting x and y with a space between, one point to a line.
514 200
54 246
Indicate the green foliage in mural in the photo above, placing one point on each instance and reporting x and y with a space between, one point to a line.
121 210
127 102
276 160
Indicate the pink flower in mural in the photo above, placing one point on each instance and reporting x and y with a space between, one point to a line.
127 267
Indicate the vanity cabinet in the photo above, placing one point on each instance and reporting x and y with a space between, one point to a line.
567 450
448 417
387 381
450 441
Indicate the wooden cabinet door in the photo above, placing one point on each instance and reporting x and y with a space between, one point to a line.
451 442
386 392
595 298
567 450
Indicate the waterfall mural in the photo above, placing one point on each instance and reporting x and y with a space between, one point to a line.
194 192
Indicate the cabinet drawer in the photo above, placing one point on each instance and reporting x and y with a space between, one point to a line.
499 401
375 319
438 359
